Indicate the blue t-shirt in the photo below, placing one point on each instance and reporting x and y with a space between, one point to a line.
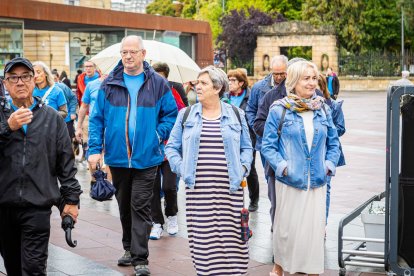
88 79
24 127
133 84
237 100
91 93
55 99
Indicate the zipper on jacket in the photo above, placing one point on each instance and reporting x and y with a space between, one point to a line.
131 150
127 131
24 164
135 130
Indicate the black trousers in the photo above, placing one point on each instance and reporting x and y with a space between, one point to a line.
24 238
71 128
253 182
169 187
134 194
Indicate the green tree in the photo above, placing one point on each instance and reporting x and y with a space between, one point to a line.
161 7
381 25
345 15
407 7
240 31
261 5
212 12
290 9
189 9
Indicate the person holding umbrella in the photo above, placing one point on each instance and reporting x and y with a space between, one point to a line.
212 152
37 172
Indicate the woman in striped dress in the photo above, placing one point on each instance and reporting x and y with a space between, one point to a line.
211 150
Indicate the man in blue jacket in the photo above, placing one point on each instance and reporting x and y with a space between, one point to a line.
260 88
134 113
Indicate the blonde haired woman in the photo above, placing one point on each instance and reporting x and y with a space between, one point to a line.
303 153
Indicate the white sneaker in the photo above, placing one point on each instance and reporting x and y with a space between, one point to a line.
172 225
156 231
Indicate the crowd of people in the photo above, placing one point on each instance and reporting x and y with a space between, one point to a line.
149 133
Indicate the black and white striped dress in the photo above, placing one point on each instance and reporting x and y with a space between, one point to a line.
213 214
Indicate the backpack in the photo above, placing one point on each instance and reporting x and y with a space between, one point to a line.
187 112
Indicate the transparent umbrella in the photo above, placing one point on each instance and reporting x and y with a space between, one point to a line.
182 67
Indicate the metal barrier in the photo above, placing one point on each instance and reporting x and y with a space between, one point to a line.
389 259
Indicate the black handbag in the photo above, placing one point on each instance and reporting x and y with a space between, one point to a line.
103 189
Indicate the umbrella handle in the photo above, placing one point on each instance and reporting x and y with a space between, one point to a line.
67 225
68 235
98 166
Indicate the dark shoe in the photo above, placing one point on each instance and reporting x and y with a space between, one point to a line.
253 207
125 260
141 270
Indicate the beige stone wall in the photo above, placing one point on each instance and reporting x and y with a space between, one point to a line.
48 47
366 84
321 44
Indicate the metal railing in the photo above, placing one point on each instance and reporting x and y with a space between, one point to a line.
374 63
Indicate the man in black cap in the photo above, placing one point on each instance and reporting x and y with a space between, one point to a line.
35 152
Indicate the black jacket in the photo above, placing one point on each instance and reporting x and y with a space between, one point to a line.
268 99
32 163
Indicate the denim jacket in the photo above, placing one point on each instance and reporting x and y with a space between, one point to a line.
290 150
183 145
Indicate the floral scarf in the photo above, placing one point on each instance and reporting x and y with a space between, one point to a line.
296 104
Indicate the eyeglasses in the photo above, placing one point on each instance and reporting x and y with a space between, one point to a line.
15 78
282 74
233 80
131 52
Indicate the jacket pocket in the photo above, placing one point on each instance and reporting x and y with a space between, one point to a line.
235 131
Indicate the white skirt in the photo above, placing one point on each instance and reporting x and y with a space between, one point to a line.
299 229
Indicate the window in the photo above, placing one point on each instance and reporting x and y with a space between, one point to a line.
72 2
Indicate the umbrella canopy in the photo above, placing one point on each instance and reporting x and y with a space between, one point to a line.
182 67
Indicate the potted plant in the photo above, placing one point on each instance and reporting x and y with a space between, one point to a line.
373 218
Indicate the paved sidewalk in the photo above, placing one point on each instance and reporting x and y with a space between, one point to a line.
99 231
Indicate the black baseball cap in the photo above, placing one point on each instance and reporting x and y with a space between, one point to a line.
18 61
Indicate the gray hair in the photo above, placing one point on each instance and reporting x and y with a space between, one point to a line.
296 59
46 70
295 72
279 60
218 78
405 74
136 37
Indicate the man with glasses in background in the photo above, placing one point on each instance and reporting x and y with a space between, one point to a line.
278 66
83 79
35 152
133 115
273 81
